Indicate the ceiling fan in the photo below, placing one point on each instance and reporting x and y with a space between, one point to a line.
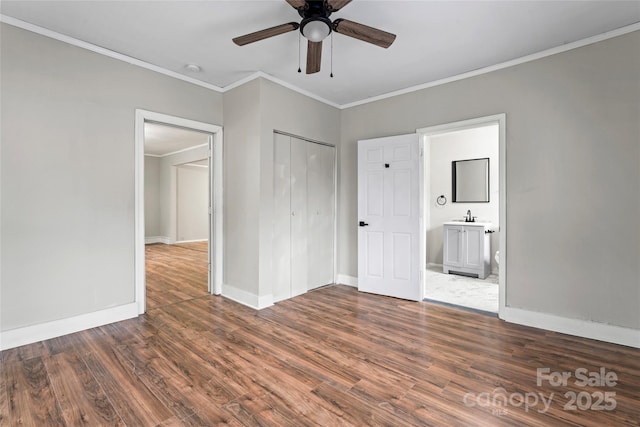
316 26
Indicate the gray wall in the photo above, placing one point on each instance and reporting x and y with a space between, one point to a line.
67 219
168 189
242 186
252 112
67 172
152 194
192 203
573 174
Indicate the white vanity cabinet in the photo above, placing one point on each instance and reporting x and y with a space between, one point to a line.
467 248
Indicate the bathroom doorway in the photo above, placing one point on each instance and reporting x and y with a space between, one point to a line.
444 215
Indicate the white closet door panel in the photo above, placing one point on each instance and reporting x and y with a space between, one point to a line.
314 219
327 234
282 217
320 214
299 226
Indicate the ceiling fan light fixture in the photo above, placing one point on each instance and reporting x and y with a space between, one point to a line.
315 29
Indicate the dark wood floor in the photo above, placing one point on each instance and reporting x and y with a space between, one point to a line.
175 273
331 357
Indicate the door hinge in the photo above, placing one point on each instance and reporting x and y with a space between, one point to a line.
209 267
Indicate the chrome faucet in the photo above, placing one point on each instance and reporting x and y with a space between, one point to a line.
469 218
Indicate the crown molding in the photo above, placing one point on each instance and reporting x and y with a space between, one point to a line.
102 51
259 74
528 58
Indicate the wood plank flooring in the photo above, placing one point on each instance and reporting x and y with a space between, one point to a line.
175 272
331 357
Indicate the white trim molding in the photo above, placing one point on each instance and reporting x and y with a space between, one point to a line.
157 239
191 241
523 59
247 298
580 328
344 279
194 147
102 51
44 331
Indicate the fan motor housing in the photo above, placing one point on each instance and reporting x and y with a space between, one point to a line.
314 9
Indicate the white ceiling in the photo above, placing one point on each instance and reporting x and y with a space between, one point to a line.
162 140
435 39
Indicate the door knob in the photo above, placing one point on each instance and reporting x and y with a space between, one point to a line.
363 224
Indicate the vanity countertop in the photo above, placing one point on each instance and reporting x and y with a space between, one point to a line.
485 224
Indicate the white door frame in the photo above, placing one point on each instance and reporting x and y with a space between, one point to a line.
215 255
426 133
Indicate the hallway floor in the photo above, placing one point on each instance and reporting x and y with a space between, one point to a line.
175 273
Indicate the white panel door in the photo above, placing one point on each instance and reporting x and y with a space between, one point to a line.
282 217
389 217
320 214
299 228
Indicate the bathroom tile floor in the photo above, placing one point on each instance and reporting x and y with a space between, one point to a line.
461 290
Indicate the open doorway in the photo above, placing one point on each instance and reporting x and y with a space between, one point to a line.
178 209
176 193
464 237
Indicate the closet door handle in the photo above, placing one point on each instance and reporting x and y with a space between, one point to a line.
363 224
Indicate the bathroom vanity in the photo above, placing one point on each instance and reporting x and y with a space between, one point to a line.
467 248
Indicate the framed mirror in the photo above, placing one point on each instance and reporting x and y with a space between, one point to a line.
470 181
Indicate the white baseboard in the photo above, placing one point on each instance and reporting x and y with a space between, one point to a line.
44 331
157 239
192 241
439 267
581 328
247 298
344 279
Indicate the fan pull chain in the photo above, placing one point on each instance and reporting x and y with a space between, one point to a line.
331 75
299 37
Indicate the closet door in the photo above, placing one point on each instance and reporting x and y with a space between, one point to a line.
282 217
304 216
320 214
299 226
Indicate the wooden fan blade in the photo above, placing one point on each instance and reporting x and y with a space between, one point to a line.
314 56
297 4
265 34
336 5
364 32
